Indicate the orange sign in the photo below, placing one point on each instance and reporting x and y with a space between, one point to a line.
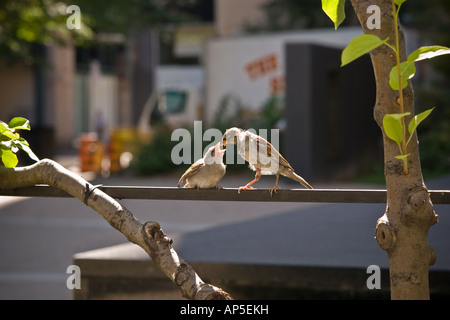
277 85
262 66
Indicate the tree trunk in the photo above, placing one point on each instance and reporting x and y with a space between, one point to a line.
402 230
148 236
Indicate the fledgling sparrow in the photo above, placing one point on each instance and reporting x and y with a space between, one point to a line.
261 156
205 172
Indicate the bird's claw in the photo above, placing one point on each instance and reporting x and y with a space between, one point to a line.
244 188
274 189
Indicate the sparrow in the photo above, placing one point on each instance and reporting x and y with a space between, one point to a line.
207 171
261 156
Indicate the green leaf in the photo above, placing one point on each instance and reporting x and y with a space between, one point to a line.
360 46
10 135
5 144
399 2
9 159
335 10
393 127
407 71
23 141
3 127
19 123
408 68
24 146
402 156
398 116
428 53
11 142
417 120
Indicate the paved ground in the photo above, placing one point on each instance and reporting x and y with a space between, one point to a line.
38 236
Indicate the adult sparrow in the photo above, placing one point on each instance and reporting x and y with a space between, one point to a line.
207 171
261 156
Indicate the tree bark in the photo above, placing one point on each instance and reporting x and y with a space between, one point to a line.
403 229
148 236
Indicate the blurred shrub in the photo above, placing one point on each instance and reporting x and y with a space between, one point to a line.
154 156
233 113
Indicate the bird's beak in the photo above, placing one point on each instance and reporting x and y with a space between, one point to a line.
224 141
218 151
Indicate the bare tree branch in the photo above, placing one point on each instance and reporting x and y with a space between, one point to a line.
148 236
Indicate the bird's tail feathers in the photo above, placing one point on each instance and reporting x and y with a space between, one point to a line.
291 174
180 181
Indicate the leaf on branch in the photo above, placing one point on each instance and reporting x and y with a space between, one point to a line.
9 135
399 2
418 119
407 71
428 52
9 159
360 46
19 123
402 156
393 126
11 142
23 144
335 10
3 127
408 68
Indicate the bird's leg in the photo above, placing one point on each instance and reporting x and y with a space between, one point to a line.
249 185
276 187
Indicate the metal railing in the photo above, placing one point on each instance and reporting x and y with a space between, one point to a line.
230 194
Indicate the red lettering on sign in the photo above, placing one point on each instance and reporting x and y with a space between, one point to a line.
262 66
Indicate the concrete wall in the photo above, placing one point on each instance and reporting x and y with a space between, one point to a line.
233 15
18 94
16 91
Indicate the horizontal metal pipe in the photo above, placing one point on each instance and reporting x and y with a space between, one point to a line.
231 194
